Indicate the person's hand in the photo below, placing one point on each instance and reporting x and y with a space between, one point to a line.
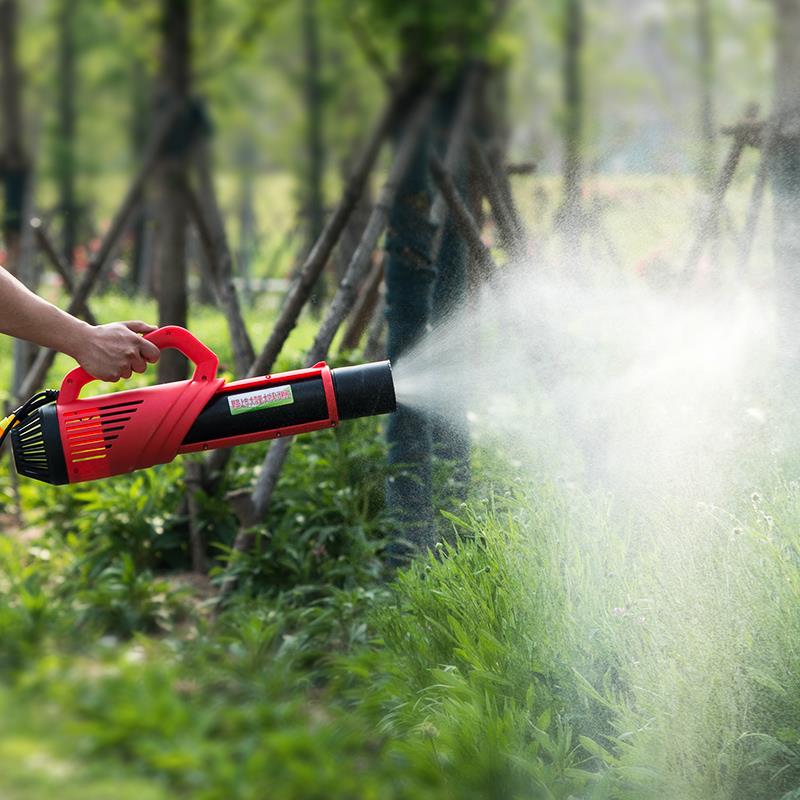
111 352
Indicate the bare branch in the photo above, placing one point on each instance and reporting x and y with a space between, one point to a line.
61 267
372 55
321 252
204 210
38 372
464 220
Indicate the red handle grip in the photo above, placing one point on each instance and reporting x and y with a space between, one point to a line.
169 337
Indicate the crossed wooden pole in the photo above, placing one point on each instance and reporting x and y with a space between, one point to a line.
362 277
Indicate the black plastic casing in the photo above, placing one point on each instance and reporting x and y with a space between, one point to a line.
215 421
364 390
361 391
38 451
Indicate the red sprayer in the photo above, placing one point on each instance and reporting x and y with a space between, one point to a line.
59 437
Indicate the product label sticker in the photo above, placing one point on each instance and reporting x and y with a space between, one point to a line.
260 399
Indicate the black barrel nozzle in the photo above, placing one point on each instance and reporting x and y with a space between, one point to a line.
364 390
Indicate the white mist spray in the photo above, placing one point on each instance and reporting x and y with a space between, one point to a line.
644 387
659 398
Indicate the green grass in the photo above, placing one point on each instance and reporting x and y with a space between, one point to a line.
38 759
559 649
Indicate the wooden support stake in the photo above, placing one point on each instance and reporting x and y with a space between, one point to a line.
374 349
364 308
512 233
756 201
322 249
463 219
371 52
205 212
707 229
38 372
63 269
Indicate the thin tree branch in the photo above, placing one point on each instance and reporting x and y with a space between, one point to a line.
321 252
204 210
38 372
61 267
464 220
372 55
244 36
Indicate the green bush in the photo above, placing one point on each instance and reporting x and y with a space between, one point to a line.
29 610
326 524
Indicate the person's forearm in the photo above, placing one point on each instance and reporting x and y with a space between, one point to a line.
26 316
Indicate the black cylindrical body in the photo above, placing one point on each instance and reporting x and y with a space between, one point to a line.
216 421
361 391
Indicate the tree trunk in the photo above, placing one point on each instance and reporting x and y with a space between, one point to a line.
422 236
785 173
248 224
13 160
410 276
315 146
65 167
451 435
174 87
451 441
571 215
141 233
707 126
